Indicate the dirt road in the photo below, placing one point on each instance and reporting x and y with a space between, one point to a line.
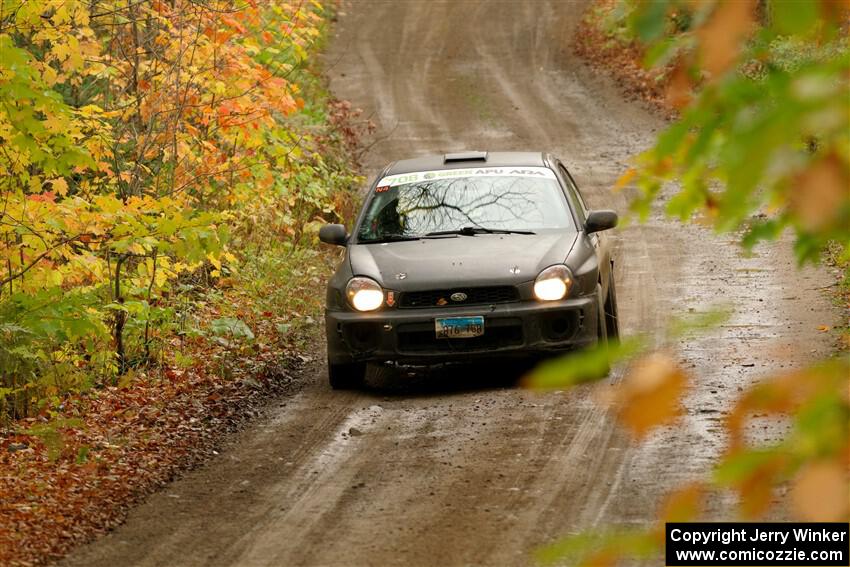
454 469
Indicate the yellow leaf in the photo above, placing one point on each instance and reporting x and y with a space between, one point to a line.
60 186
61 51
34 184
91 110
75 60
55 123
81 17
49 75
61 16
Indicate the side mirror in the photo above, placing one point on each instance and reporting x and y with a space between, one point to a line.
602 219
333 234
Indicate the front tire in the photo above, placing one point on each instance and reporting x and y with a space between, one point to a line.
612 322
346 376
602 332
601 318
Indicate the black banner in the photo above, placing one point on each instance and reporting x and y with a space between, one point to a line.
762 544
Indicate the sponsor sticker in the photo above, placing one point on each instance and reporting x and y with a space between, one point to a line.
422 176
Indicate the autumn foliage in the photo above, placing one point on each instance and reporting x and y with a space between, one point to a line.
163 168
141 143
759 146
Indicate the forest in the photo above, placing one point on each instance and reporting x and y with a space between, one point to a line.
148 150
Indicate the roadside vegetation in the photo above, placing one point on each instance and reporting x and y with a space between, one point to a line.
759 146
164 167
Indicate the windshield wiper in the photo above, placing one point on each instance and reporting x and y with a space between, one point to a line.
473 230
464 231
389 238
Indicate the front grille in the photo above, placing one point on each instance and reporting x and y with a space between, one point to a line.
442 297
421 337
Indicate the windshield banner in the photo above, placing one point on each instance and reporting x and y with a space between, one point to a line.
420 176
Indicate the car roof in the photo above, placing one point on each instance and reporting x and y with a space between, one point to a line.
466 159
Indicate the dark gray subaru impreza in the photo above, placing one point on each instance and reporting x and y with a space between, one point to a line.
470 255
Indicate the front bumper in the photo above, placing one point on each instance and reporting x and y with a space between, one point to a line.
520 329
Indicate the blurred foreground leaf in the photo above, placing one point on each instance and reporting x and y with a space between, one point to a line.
582 366
597 549
820 492
650 394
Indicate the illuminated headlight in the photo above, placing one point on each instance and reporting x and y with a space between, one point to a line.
364 294
553 283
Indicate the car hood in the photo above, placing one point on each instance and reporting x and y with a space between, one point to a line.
468 261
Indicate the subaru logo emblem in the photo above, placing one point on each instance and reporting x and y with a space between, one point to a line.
458 296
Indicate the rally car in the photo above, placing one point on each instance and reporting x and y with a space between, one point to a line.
466 256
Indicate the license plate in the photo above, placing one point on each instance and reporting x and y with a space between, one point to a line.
459 327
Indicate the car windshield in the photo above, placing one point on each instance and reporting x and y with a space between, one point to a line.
500 199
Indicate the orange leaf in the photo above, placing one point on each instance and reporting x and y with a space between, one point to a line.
624 179
722 35
650 394
756 491
819 193
685 504
820 493
46 197
680 89
232 23
835 10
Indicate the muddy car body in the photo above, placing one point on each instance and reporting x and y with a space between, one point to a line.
472 255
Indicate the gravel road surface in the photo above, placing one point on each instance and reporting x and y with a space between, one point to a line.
455 468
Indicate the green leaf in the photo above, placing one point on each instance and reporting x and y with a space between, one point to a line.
793 16
82 454
576 547
740 465
650 20
584 366
231 327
